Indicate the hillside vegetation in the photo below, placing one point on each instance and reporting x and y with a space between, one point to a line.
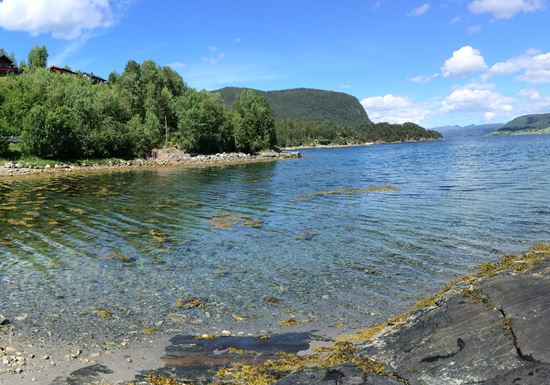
308 104
68 117
528 124
308 117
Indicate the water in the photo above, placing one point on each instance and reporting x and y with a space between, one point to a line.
258 244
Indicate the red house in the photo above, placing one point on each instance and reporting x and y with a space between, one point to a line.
7 66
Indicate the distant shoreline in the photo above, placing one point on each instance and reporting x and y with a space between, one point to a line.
312 147
11 170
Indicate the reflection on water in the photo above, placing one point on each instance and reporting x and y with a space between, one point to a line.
316 240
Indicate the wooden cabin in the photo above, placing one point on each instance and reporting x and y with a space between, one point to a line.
7 66
94 78
61 70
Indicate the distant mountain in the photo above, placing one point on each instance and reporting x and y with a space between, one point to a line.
307 104
472 130
527 124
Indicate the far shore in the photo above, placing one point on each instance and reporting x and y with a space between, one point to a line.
313 146
14 169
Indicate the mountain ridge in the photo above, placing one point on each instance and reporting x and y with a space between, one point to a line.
307 104
526 123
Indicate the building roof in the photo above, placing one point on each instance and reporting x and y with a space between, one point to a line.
94 77
7 58
61 69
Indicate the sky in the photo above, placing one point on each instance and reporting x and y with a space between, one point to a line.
434 63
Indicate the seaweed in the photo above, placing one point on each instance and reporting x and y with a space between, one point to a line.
346 191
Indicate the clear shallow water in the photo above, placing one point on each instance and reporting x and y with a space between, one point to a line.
258 241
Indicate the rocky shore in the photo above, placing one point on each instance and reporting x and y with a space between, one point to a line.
159 158
488 328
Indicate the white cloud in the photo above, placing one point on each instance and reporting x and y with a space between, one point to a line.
530 93
455 20
177 65
505 9
477 98
394 109
474 29
490 115
72 47
464 61
214 59
63 19
534 65
420 10
423 78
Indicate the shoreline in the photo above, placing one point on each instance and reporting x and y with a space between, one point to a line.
13 170
366 144
416 346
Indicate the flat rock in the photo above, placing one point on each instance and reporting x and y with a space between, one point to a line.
530 374
457 343
525 299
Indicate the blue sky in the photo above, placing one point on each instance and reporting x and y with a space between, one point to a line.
432 62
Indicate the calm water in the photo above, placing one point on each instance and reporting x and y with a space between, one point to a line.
259 242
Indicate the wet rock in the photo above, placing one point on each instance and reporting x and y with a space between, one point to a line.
340 375
4 320
84 376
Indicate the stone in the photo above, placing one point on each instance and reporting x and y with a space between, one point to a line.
530 374
4 320
525 300
441 344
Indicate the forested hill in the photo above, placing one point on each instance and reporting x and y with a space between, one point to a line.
532 123
308 104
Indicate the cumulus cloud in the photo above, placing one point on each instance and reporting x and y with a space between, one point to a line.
420 10
505 9
464 61
477 98
63 19
423 78
394 109
530 93
533 66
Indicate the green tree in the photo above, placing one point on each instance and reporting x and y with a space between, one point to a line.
38 57
203 122
50 134
143 136
254 123
4 138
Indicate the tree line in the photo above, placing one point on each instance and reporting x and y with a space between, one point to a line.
293 133
144 107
